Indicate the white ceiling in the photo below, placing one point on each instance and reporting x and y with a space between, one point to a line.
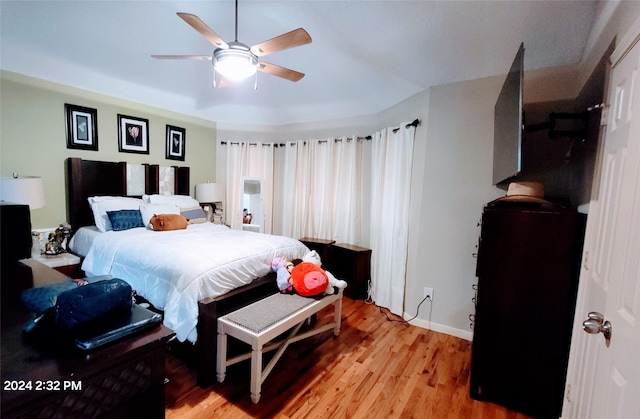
365 56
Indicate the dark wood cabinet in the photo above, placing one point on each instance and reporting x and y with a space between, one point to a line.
528 269
44 377
353 264
322 246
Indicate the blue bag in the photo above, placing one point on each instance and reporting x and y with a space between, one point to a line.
72 305
86 305
39 299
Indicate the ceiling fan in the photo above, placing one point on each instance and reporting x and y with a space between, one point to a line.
235 60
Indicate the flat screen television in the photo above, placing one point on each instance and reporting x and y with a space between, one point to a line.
508 123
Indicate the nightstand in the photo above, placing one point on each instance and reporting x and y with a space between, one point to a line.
353 264
323 247
66 263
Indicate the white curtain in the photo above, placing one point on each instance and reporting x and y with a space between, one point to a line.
391 155
248 159
294 188
321 194
351 190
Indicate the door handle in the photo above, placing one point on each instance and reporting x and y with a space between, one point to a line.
596 323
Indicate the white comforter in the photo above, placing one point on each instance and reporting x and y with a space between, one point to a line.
176 269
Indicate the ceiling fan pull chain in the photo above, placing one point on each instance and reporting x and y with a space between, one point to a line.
255 84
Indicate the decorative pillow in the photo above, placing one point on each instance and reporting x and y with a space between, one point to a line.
194 215
125 219
101 204
149 210
181 201
166 222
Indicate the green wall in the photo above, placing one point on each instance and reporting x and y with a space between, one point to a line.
33 137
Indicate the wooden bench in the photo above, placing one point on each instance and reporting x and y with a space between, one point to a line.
259 323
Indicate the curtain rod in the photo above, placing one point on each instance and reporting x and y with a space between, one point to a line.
339 140
293 143
239 143
415 123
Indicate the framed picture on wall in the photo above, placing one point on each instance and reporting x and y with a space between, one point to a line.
133 134
175 142
82 127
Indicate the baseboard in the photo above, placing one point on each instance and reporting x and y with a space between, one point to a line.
440 328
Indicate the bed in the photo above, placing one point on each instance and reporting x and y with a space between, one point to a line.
178 271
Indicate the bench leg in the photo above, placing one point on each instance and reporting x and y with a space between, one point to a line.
221 360
337 316
256 373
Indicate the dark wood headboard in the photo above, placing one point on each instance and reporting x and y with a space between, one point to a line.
87 178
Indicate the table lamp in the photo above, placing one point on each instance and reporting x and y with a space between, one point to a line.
27 190
209 193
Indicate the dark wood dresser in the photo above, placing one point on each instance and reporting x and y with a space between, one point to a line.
528 270
47 379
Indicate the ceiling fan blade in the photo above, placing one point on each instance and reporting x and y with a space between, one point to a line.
276 70
203 29
288 40
182 57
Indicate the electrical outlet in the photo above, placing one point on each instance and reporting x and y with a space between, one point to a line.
428 293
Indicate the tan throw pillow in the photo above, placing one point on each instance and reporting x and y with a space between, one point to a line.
166 222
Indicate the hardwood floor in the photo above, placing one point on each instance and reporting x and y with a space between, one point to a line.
375 369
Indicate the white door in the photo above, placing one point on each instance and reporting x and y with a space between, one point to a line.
603 380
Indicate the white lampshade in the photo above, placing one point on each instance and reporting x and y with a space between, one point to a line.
209 192
27 190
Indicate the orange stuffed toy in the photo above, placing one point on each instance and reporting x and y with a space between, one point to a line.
308 279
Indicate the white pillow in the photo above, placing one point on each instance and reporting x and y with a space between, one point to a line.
101 204
181 201
148 210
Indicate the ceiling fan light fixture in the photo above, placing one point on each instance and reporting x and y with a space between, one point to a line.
235 60
235 63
